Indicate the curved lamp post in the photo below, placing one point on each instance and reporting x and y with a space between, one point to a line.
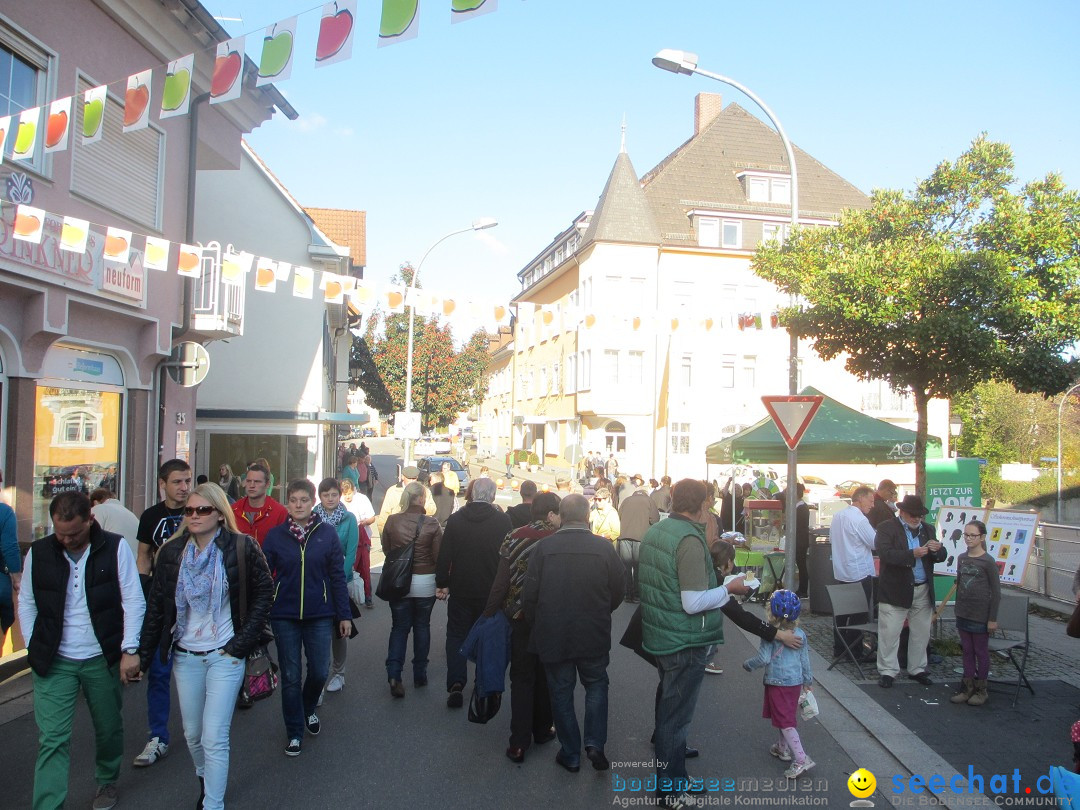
479 225
687 63
1061 408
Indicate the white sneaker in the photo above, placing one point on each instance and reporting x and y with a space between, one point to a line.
155 749
799 768
335 683
713 669
780 753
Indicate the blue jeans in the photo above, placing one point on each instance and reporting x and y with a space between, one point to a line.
207 686
681 674
313 636
158 697
562 678
410 613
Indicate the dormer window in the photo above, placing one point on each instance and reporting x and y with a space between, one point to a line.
766 187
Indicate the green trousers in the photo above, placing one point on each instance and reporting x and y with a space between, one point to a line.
54 709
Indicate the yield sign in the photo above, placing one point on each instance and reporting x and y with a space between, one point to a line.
792 415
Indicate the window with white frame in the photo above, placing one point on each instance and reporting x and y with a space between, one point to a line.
727 372
749 372
775 230
586 293
635 367
686 368
757 189
732 234
708 230
523 384
586 369
683 292
571 373
780 190
680 438
611 366
24 69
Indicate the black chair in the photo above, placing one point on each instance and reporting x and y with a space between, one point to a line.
849 599
1013 619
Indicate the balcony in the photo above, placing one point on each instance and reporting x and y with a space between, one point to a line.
217 307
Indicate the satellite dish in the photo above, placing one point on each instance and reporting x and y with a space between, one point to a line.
188 364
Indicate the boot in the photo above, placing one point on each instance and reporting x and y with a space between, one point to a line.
981 695
967 689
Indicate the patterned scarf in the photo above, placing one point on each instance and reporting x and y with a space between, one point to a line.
302 533
200 585
333 518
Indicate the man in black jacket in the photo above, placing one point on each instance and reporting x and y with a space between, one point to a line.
908 549
573 584
81 609
468 560
521 515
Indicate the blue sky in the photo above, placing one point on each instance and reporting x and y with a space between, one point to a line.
516 115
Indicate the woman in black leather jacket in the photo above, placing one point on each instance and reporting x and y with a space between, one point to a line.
196 592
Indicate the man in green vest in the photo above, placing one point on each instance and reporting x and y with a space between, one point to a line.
681 620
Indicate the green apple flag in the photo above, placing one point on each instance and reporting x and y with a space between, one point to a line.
176 93
93 116
462 10
400 21
275 64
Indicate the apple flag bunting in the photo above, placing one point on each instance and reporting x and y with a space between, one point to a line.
189 262
333 288
282 272
26 136
303 282
5 128
74 234
462 10
265 278
394 295
117 245
156 255
234 267
335 33
58 126
93 117
29 223
176 93
363 296
275 64
137 101
400 21
501 314
225 84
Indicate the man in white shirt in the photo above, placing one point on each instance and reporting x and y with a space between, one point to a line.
81 609
114 517
852 539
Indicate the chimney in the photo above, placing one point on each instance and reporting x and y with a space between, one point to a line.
706 107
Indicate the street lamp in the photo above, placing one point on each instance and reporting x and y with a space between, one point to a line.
1061 407
956 425
481 224
687 63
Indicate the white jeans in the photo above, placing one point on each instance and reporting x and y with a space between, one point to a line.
891 623
207 686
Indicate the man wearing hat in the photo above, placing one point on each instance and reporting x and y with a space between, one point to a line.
564 487
907 548
882 509
391 503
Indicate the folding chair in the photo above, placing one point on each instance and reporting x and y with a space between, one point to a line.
1013 618
849 599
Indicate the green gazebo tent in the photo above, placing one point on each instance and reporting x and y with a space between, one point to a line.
838 435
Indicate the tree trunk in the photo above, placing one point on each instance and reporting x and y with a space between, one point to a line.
922 399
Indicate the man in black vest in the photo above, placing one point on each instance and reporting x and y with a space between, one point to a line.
81 607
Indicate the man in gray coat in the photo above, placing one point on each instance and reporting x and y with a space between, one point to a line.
636 514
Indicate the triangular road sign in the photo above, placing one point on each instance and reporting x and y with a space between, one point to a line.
792 415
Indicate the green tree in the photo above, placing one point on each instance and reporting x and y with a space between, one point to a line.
963 280
445 380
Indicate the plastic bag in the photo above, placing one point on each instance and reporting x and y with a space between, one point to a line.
356 589
808 706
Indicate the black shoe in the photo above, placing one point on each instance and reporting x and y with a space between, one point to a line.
544 736
597 758
397 689
313 724
419 680
515 754
573 768
455 700
691 753
202 794
923 678
886 681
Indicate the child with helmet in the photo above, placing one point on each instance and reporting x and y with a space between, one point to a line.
787 675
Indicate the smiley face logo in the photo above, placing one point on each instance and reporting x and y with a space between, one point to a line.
861 783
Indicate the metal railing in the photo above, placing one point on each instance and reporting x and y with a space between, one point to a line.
214 302
1053 563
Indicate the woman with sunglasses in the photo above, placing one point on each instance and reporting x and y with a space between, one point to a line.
311 606
194 609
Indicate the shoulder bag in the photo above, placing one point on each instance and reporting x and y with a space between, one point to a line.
260 670
396 578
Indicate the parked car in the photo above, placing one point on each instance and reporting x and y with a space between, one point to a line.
845 489
369 433
431 464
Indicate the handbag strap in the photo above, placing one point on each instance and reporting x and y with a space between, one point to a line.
241 566
419 525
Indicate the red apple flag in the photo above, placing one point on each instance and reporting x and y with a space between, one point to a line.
335 33
58 125
275 64
176 92
462 10
93 116
137 101
225 85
